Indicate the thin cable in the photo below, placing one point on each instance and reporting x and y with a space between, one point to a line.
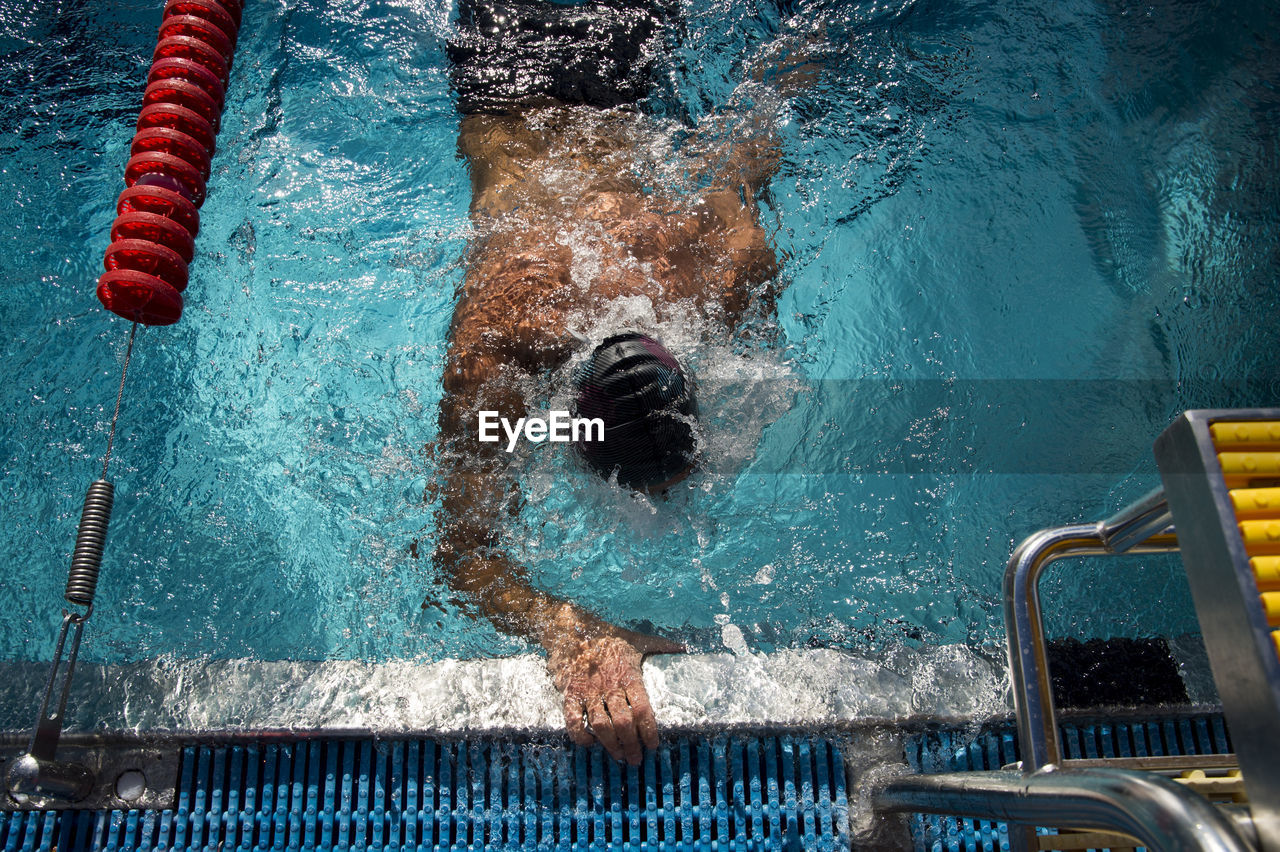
111 436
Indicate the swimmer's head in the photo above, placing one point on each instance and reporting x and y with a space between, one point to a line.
646 401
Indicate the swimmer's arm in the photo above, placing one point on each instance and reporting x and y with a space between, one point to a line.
484 371
478 491
594 664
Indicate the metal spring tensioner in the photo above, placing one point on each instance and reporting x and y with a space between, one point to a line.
86 560
37 776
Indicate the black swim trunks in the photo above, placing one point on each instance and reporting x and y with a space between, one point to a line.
514 54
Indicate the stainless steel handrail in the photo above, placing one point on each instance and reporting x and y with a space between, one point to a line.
1152 808
1140 528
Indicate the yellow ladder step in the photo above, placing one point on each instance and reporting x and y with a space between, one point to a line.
1261 538
1266 570
1236 432
1271 603
1250 463
1228 787
1256 502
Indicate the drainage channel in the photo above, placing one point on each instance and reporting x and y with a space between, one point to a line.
726 791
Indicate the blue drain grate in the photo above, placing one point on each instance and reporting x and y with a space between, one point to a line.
950 751
722 793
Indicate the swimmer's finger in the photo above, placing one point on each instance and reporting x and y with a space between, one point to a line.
602 727
575 722
642 713
624 726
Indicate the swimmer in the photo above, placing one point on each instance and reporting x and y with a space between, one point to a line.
548 154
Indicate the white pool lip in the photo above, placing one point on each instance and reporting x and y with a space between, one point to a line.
793 689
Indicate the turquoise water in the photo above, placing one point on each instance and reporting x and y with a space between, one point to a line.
1016 242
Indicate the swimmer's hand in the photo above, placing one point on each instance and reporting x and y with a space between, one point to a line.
599 673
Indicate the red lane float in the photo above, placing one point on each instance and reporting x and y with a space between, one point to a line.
150 162
186 47
178 118
184 69
154 229
200 29
210 10
173 90
175 142
150 198
133 294
153 236
146 256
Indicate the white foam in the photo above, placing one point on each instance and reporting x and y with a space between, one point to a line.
816 688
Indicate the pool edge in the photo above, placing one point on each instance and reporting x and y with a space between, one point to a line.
796 689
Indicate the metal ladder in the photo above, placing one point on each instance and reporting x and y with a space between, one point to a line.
1221 475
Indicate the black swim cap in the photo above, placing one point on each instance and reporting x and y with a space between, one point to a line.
646 401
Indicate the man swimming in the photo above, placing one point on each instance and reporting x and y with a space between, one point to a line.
548 132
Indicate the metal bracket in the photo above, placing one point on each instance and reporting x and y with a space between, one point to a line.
123 776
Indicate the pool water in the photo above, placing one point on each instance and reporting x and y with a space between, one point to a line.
1016 241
